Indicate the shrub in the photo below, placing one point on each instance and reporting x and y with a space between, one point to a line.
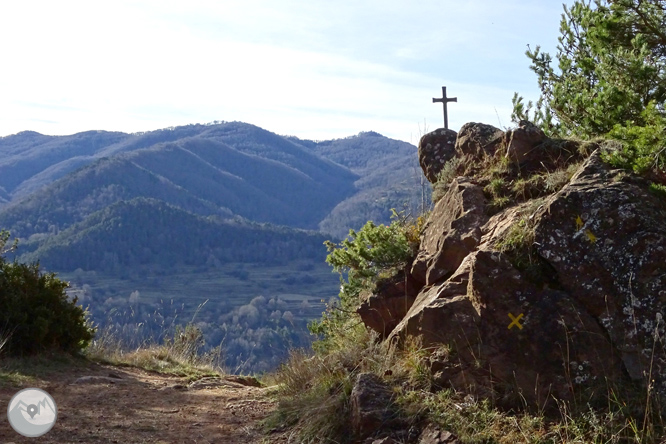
374 252
643 147
449 172
36 311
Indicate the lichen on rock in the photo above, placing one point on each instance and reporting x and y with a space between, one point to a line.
582 270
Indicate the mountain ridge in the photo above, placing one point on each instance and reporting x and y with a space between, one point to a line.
290 181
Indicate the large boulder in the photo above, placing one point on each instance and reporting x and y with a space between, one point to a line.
509 333
523 140
476 139
451 233
435 149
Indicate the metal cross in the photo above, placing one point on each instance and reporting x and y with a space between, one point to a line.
444 100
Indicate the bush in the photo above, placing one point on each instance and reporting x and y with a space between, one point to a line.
374 252
643 147
35 310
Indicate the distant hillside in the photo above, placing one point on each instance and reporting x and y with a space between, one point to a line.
389 177
199 175
48 183
147 231
29 160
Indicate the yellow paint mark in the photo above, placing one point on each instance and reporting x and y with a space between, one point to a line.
515 321
579 223
591 236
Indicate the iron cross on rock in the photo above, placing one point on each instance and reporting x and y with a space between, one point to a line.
444 100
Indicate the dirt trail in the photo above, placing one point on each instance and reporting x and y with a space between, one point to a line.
128 405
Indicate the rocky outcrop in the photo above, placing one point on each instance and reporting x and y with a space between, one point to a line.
451 233
476 139
382 309
523 140
553 298
435 149
606 239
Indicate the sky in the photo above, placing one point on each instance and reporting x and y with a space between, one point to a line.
315 69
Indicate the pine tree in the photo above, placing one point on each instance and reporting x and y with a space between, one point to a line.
610 79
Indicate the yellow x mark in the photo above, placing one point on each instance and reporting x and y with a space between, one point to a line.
515 321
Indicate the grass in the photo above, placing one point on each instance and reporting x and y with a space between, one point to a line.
178 354
504 183
313 390
313 393
448 173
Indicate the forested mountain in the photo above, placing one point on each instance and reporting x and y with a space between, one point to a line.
48 183
148 231
199 175
215 215
29 160
389 176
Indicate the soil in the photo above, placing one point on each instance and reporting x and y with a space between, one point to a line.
105 404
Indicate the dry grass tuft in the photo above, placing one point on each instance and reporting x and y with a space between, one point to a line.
178 355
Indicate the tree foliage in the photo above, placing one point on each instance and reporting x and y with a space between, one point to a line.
609 80
375 251
35 312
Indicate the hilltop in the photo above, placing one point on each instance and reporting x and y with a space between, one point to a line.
527 306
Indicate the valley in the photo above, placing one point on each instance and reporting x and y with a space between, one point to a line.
221 226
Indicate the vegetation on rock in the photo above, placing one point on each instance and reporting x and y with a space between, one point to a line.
610 80
375 251
544 246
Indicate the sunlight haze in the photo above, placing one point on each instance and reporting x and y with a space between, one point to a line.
317 70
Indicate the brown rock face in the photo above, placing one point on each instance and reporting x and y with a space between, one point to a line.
475 139
606 239
522 140
435 149
451 233
577 302
382 309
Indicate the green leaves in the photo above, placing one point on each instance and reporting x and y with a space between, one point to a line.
366 254
610 79
374 251
36 312
644 147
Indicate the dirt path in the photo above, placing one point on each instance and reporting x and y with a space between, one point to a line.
128 405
